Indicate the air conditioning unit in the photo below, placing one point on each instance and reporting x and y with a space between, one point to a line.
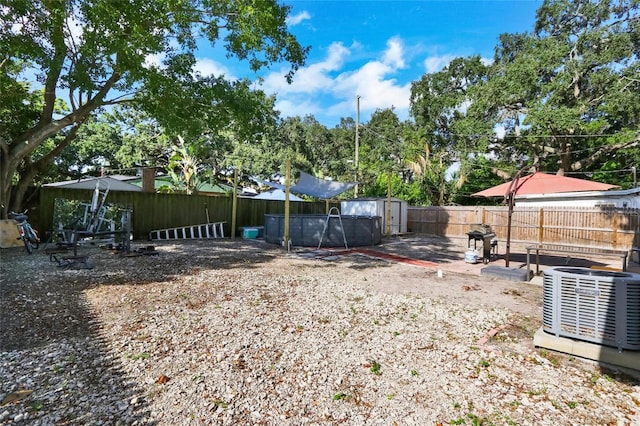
592 305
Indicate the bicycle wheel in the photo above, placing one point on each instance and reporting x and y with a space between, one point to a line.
31 235
28 245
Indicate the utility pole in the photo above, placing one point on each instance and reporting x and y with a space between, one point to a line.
355 191
287 187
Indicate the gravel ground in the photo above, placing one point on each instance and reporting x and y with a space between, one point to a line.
242 333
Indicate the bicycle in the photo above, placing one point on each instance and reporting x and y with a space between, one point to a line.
28 235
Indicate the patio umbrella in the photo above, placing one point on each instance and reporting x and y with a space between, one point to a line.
537 183
542 183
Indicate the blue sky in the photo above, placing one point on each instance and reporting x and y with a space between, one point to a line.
375 49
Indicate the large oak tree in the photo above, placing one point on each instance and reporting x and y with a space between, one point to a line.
566 95
95 53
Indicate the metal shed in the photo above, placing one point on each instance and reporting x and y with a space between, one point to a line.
379 207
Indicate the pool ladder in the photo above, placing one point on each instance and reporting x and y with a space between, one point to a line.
326 225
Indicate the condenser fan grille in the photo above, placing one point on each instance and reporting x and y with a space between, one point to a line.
633 315
595 306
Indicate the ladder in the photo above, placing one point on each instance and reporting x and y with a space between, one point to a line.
190 232
326 225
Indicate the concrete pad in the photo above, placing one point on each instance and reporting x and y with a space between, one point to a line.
511 274
592 351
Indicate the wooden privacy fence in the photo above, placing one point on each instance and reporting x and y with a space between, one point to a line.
152 211
606 228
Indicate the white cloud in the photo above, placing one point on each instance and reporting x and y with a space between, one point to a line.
313 78
203 66
374 81
377 90
207 67
464 106
375 84
75 29
296 19
394 55
154 61
299 107
436 63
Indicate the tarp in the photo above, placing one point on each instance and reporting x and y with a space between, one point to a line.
275 194
275 185
313 187
309 185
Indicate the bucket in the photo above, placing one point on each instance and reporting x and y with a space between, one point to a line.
471 256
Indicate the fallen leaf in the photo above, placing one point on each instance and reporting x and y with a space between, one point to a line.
15 397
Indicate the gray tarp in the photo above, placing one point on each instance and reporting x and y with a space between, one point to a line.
275 194
314 187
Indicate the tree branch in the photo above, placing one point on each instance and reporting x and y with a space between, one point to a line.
607 149
60 50
29 141
5 61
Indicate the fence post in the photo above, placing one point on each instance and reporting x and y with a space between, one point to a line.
541 226
614 230
234 204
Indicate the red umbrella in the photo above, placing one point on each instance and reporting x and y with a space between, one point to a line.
542 183
537 183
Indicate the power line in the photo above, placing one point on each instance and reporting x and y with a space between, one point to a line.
522 137
604 135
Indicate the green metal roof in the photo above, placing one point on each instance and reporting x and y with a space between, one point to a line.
162 181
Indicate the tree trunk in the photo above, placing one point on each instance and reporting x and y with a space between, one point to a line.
14 153
4 165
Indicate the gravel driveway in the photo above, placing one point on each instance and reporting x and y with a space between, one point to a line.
242 333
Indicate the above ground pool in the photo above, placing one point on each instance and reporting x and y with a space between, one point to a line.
306 230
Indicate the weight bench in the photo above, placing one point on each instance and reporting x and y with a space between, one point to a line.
67 261
571 252
54 252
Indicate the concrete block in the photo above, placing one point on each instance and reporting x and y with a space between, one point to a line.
600 353
511 274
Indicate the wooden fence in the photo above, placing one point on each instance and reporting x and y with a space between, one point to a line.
606 228
153 211
591 227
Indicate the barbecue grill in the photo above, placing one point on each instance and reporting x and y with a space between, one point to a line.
480 232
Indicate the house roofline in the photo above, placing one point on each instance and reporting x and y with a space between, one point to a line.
581 194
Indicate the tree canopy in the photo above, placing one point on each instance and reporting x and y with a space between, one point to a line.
572 83
97 53
563 97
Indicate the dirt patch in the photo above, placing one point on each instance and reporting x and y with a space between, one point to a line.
245 333
41 301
